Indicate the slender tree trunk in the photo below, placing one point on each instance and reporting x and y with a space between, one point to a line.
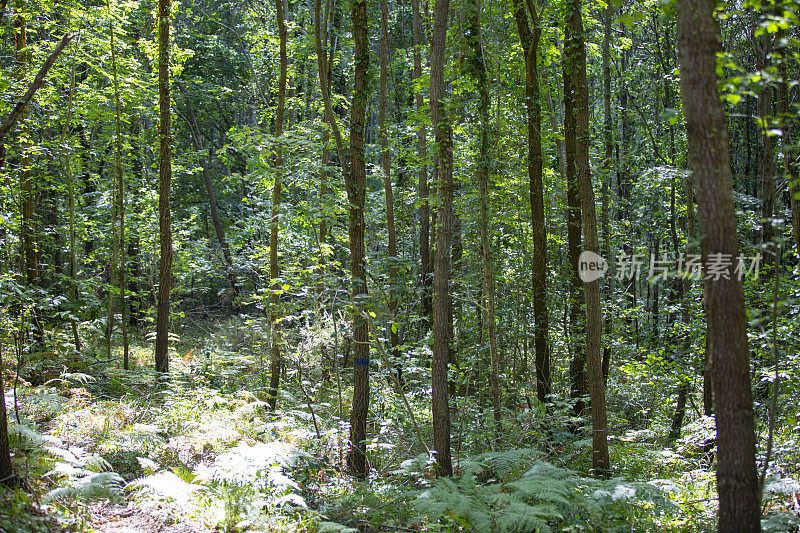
387 185
529 39
274 270
485 157
441 274
119 214
708 390
356 192
561 150
575 69
766 160
577 325
212 197
608 149
625 187
737 483
325 89
326 158
748 150
67 162
790 154
136 307
656 294
422 172
27 197
6 470
165 185
454 307
682 296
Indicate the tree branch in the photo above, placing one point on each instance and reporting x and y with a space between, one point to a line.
38 81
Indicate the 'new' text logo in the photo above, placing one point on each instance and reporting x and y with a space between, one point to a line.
591 266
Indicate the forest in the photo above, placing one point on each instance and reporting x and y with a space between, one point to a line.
399 265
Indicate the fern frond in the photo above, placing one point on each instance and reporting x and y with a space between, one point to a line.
466 502
539 490
94 486
520 517
498 464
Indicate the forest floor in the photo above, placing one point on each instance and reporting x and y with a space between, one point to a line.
114 451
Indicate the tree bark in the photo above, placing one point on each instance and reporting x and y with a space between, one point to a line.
6 470
441 269
119 214
575 69
356 192
165 185
274 270
529 39
67 165
354 173
422 172
133 252
577 325
737 483
682 296
608 149
790 154
26 182
766 160
387 186
325 89
485 156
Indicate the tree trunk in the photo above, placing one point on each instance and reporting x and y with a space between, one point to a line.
210 194
682 296
575 69
790 155
67 164
274 271
766 161
737 483
454 309
27 196
325 89
485 157
422 172
6 470
608 148
577 326
356 191
165 185
136 307
119 214
529 39
441 270
387 186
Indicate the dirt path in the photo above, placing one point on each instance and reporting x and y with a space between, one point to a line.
118 519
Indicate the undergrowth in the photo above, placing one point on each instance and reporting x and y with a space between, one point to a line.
202 447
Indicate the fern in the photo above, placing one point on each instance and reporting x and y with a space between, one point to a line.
88 486
499 464
464 502
87 478
521 517
545 498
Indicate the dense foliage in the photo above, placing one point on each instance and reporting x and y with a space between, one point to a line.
357 205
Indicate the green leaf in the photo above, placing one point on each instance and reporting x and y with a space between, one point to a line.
733 99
